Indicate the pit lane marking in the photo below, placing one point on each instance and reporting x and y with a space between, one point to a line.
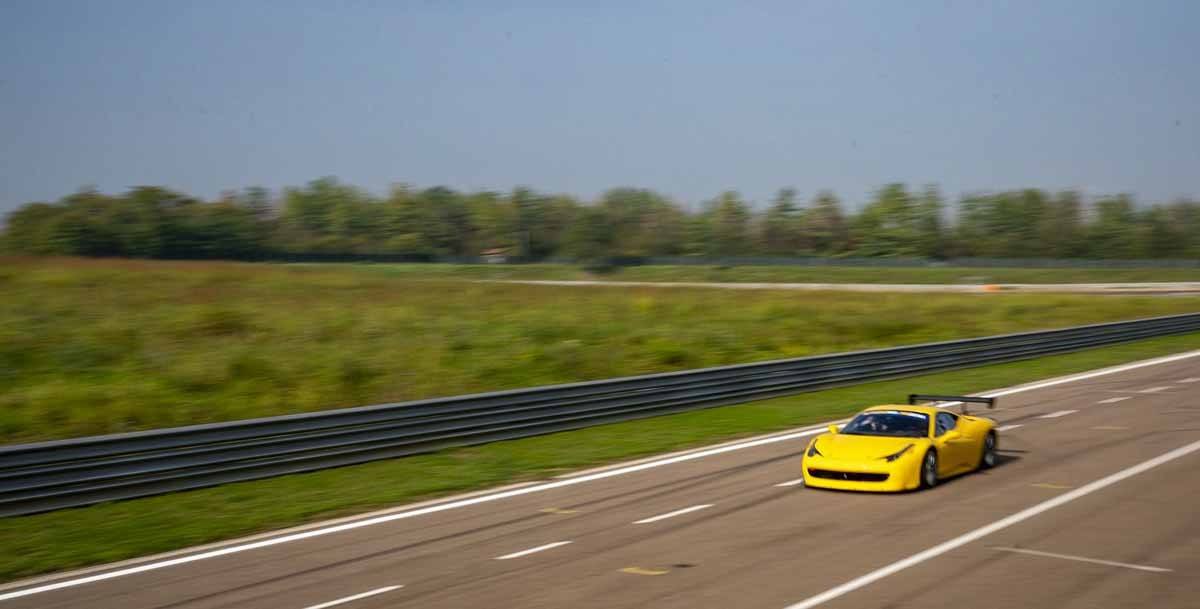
1097 561
686 510
642 571
1060 413
354 597
1156 389
548 546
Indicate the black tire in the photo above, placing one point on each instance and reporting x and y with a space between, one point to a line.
929 475
987 460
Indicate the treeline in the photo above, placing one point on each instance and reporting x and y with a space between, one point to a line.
329 218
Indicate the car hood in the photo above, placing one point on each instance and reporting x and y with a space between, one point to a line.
848 446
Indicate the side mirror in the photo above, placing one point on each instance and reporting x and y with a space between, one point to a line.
833 428
951 435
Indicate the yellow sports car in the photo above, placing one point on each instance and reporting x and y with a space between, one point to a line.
898 448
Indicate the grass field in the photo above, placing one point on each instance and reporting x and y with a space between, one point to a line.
90 347
791 274
115 531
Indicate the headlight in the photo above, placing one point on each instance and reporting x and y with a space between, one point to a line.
812 450
897 454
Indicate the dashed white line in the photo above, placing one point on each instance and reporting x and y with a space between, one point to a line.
1008 427
548 546
687 510
1060 413
1114 400
791 482
1192 379
355 597
1083 559
104 573
1156 389
984 531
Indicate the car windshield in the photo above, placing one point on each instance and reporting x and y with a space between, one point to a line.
889 423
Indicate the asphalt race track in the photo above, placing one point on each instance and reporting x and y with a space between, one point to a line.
1096 503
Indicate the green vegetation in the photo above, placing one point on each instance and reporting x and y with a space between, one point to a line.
90 347
329 220
115 531
786 273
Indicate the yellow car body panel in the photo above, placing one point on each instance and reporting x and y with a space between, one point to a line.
854 462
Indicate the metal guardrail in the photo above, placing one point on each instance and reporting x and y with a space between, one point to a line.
67 473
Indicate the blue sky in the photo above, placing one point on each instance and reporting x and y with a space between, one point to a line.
688 98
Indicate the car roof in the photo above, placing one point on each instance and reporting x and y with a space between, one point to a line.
927 410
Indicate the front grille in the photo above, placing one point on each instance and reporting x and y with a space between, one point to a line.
829 474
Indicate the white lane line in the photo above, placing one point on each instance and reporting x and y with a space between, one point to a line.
791 482
548 546
1156 389
687 510
1114 400
1060 413
1008 427
355 597
986 530
235 547
1191 379
1083 559
1083 376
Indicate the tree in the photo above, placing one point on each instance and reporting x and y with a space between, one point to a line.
326 216
1113 234
888 225
825 226
1059 230
729 219
783 226
29 228
591 237
644 223
494 221
928 223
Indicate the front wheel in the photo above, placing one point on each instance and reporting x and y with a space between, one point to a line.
929 470
988 460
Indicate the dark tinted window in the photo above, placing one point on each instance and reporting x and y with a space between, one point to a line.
945 422
889 423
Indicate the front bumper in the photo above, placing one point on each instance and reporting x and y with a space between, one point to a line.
877 475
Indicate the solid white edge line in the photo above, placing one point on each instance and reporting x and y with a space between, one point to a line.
1058 413
237 547
1083 376
1008 427
355 597
1097 561
686 510
548 546
1003 523
1114 400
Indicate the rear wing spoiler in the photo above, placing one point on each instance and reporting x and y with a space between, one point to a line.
917 398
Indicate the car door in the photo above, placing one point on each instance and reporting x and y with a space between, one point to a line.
954 449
